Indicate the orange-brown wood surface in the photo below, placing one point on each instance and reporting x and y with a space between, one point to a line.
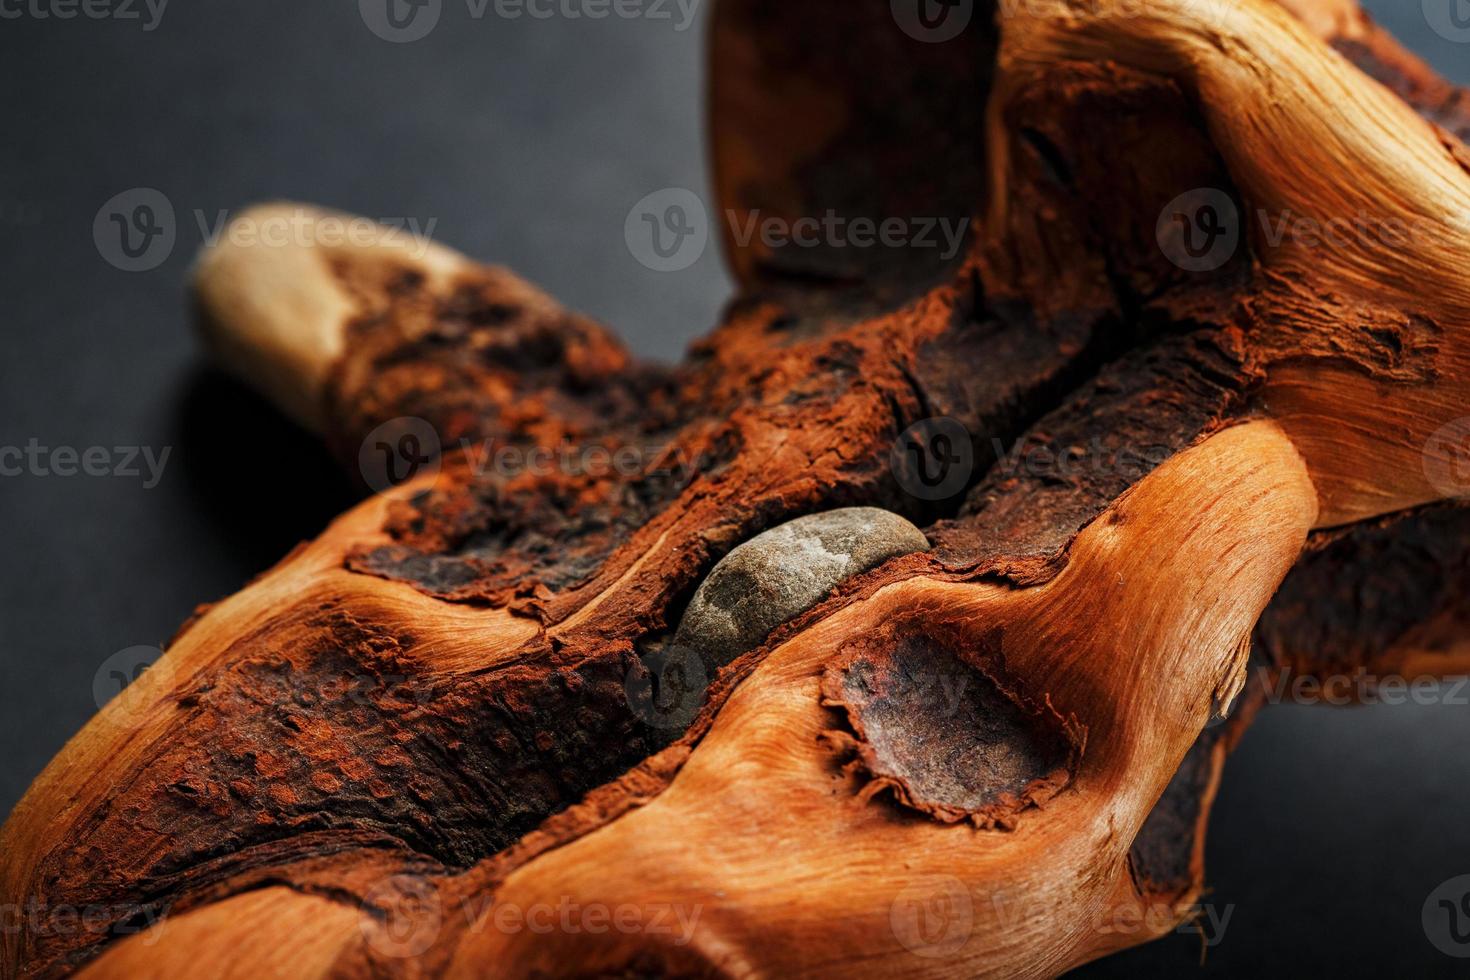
424 744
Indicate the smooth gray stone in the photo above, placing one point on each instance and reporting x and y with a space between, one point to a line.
777 575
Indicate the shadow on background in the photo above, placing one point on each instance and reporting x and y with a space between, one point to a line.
261 481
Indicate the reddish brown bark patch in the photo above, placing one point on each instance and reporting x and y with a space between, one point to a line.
1360 592
1102 439
488 358
1165 858
947 736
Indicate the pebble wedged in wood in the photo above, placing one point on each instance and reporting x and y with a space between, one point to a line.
783 572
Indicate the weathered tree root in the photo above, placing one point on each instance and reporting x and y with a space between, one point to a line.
464 705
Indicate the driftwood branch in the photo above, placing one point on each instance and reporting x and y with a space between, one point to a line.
775 700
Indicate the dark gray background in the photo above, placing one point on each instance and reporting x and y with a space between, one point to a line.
528 141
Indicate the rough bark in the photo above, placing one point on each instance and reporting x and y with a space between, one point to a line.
456 700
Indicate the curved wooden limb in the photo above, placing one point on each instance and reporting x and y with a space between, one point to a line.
348 325
763 825
784 811
1337 319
